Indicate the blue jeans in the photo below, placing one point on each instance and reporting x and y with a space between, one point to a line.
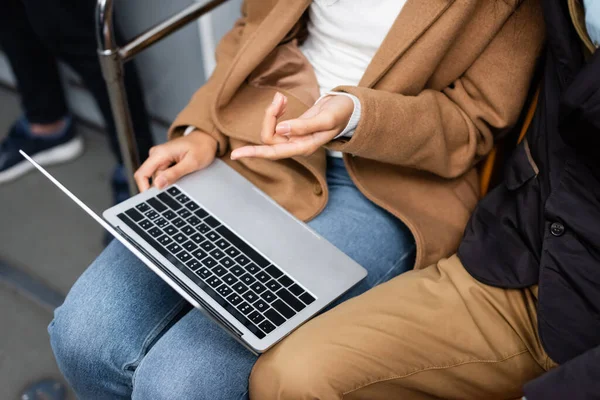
124 333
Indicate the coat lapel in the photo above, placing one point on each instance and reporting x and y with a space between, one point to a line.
270 32
414 19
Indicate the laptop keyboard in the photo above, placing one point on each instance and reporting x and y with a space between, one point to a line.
253 290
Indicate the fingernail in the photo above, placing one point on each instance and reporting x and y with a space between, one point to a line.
276 98
161 182
283 128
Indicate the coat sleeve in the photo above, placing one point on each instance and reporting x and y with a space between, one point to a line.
197 112
579 378
447 132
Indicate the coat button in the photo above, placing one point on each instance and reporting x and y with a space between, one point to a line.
317 189
557 229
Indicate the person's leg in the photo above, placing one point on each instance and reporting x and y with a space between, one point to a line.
428 334
33 66
110 319
195 359
367 233
68 30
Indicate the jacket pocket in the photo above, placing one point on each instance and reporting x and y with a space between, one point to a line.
521 167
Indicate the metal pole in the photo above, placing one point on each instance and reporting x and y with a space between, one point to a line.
111 64
112 58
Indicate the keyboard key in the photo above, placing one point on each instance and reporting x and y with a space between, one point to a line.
165 240
296 289
145 224
209 262
204 273
184 213
274 285
263 277
224 290
182 198
230 279
248 279
242 260
240 288
243 246
255 317
190 246
261 305
184 256
307 298
134 214
201 213
274 317
143 207
234 299
193 264
174 248
155 232
212 222
214 282
252 268
170 230
283 309
237 270
232 252
198 238
173 191
227 262
152 215
193 221
178 222
266 327
213 236
180 238
219 270
245 308
222 244
217 254
250 297
268 296
199 254
291 300
192 206
188 230
258 287
203 228
274 271
169 215
169 201
208 246
285 280
161 222
157 205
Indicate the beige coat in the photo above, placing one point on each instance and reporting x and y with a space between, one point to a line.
450 76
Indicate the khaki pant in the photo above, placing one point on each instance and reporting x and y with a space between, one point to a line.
432 333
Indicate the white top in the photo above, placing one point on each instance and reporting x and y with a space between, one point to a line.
343 36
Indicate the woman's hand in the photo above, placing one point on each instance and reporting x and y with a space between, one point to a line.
170 161
302 136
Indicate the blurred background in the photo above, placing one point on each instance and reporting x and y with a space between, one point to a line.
46 241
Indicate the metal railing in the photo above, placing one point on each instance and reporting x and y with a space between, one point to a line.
113 58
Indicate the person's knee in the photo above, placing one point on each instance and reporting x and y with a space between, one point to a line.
73 339
291 372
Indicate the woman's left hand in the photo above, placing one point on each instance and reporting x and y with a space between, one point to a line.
302 136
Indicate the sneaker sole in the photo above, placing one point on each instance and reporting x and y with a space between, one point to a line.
56 155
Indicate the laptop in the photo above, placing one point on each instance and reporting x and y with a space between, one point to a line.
232 252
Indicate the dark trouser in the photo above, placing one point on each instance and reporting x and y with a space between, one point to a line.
34 33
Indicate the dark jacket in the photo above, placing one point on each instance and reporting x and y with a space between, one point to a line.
542 225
